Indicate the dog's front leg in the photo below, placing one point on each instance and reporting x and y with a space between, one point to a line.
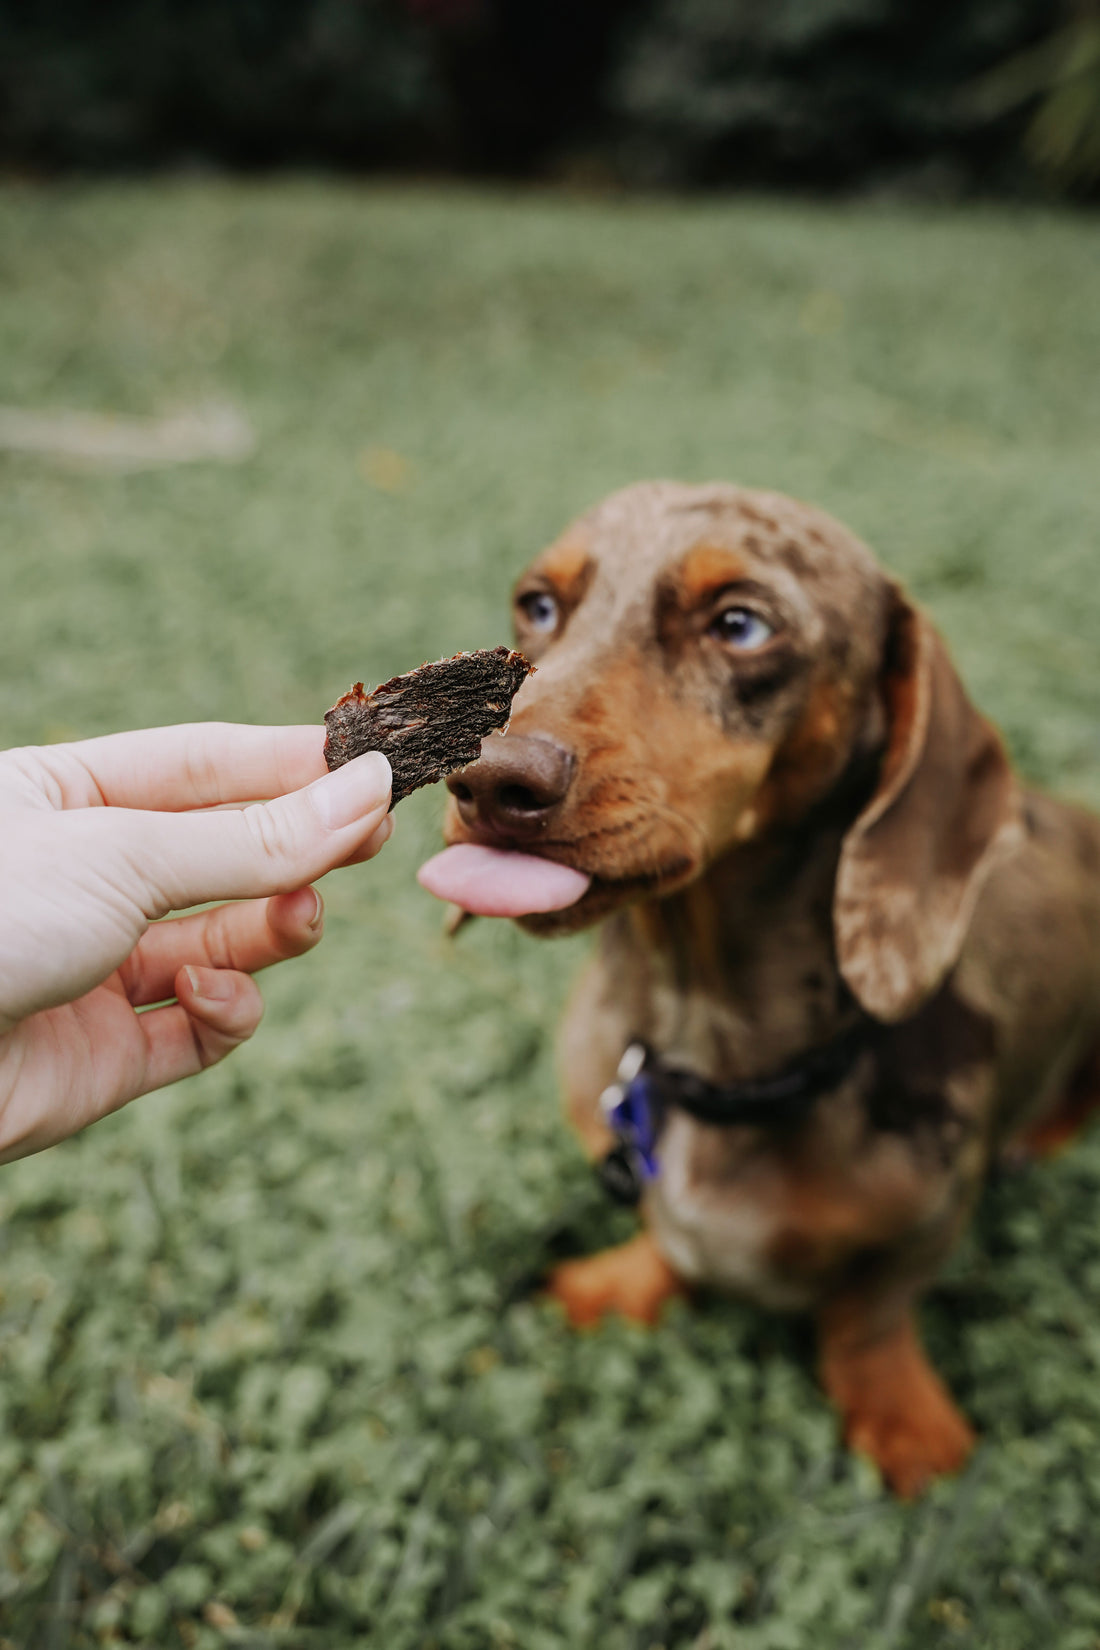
893 1405
633 1279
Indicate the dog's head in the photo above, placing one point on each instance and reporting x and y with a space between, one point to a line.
713 663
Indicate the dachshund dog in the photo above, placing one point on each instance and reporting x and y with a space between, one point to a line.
852 957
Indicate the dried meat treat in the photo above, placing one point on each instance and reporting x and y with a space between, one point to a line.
430 721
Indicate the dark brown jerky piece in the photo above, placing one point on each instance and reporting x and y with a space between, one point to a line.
430 721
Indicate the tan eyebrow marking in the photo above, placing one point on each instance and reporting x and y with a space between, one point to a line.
706 570
568 566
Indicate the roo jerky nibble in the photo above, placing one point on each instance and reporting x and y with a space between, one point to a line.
431 721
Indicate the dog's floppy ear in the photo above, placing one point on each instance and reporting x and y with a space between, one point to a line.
944 811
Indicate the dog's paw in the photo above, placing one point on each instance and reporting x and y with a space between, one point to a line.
633 1280
896 1409
911 1447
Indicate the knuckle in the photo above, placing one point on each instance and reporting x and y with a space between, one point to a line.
220 937
201 770
132 973
235 1023
273 837
246 1013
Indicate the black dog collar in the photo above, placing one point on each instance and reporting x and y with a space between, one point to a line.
635 1104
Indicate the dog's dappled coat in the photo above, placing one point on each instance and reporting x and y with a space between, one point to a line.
789 818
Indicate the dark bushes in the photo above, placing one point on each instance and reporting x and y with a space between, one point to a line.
819 92
95 83
810 93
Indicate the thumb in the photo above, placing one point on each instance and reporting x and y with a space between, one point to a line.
269 848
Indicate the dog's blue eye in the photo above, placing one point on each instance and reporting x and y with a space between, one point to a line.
741 628
540 610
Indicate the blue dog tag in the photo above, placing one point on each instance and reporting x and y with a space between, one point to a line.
630 1110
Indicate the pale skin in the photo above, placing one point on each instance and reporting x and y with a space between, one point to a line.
100 839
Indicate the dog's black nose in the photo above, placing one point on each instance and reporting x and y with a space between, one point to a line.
515 785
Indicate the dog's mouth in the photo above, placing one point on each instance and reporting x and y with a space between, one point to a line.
500 882
557 898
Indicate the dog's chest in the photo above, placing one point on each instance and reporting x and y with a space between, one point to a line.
713 1233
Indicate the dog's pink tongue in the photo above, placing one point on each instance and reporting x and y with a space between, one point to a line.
491 883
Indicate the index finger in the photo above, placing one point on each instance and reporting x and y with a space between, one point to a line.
190 765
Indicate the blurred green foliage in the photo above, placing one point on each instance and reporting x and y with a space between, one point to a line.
822 92
944 97
1059 80
271 1373
91 83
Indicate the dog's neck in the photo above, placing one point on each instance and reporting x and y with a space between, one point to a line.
736 975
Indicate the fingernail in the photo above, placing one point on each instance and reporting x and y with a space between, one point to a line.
358 788
304 907
211 985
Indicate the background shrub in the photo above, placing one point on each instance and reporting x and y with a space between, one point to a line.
106 83
820 92
997 94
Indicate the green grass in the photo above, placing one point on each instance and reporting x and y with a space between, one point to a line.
268 1345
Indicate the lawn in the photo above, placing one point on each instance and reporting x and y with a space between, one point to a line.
272 1368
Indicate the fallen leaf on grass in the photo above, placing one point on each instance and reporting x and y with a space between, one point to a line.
385 469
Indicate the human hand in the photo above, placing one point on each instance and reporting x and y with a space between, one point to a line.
100 838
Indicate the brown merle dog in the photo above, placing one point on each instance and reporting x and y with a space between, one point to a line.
808 854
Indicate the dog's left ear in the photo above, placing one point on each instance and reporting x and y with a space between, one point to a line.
945 810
